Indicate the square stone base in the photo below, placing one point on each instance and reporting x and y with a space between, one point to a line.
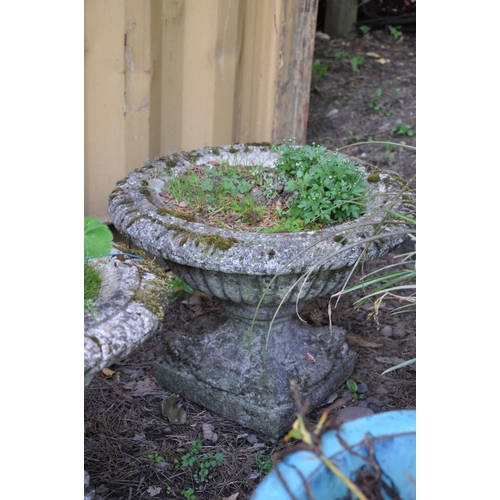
251 385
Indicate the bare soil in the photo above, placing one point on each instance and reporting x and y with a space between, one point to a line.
123 416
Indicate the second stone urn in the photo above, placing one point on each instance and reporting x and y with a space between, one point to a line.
243 369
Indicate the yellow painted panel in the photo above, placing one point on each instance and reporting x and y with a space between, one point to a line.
104 87
165 75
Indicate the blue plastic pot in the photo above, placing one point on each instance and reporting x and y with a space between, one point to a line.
392 436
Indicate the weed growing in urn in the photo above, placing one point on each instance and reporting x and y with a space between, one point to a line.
326 187
309 188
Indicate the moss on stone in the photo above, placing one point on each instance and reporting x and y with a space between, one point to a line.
213 241
261 144
170 164
139 217
373 178
193 156
156 291
116 192
176 213
147 194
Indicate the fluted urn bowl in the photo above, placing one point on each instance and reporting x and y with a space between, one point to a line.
242 370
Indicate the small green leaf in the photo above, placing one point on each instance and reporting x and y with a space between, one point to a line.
351 385
97 238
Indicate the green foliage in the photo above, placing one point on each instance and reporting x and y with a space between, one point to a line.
189 494
263 462
396 32
217 189
180 289
356 61
366 32
97 238
340 55
374 100
388 155
353 137
285 226
318 71
401 129
326 187
202 465
315 187
377 106
353 387
156 458
92 285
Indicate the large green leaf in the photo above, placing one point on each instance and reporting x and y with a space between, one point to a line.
97 238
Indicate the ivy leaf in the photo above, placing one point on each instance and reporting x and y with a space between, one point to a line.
97 238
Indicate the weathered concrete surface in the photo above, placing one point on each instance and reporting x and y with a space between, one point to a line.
250 385
129 309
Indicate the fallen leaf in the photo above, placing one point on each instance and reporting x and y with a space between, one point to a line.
234 496
106 372
252 439
208 431
240 436
332 398
373 54
383 61
142 387
154 490
168 410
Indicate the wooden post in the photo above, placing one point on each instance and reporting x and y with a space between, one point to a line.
297 35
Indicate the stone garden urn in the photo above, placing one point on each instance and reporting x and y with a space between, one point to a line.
242 370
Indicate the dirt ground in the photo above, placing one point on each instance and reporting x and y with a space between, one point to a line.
130 448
